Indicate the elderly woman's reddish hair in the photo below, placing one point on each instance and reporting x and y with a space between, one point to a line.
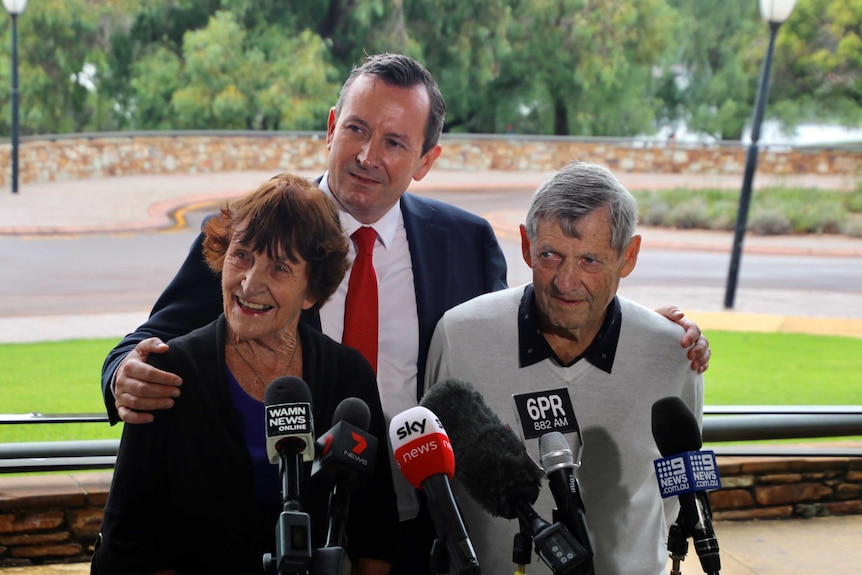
290 216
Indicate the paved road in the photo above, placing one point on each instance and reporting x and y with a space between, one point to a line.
125 272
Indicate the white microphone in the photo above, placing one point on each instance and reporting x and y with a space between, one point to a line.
289 442
289 422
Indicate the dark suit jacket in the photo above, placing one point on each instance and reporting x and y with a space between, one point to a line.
455 258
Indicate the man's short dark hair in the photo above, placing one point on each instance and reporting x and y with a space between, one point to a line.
403 72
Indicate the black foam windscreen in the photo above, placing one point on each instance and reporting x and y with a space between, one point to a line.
674 427
286 389
354 411
491 462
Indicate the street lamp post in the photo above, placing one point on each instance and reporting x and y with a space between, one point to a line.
15 8
775 12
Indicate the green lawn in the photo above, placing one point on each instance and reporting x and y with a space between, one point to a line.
783 369
54 377
746 369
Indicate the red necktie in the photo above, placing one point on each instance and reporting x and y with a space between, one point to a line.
360 309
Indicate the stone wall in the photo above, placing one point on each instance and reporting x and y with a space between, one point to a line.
778 488
50 518
55 518
82 156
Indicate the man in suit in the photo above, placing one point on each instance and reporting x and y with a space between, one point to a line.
428 257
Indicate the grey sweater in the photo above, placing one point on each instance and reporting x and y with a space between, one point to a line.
628 521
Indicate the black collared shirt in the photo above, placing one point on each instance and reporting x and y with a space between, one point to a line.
533 347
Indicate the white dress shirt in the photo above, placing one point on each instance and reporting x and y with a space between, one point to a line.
398 324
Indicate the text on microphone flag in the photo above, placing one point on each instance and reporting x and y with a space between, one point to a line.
687 472
294 418
540 412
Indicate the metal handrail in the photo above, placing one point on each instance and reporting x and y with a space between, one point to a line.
721 423
36 417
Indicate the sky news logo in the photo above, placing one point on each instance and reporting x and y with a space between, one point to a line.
687 472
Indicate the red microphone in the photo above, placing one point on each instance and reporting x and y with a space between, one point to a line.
424 455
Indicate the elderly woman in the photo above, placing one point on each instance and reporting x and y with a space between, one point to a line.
194 492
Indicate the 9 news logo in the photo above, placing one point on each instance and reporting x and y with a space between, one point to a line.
687 472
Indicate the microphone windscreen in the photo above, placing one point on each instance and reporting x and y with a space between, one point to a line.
354 411
674 427
493 464
286 389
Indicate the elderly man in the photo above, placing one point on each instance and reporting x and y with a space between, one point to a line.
569 328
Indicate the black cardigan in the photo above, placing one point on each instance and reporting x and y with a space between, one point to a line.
182 494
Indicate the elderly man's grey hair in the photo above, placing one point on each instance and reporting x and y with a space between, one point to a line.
578 190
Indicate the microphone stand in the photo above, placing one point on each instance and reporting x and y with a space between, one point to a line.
557 547
439 560
294 555
677 546
695 524
329 560
522 549
293 530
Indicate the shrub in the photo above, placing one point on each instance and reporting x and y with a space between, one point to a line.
853 200
652 210
691 214
852 227
722 214
772 211
770 223
817 218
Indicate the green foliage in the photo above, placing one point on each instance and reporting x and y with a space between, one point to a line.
773 210
769 222
714 60
853 200
600 68
818 59
56 39
468 46
225 78
692 213
852 227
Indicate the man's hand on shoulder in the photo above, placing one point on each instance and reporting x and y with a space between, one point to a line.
140 388
697 344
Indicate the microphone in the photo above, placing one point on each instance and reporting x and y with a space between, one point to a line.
686 471
289 422
289 442
497 471
424 455
559 465
346 457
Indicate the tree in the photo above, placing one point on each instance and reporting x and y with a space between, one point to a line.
590 62
61 45
818 63
465 45
710 79
223 80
